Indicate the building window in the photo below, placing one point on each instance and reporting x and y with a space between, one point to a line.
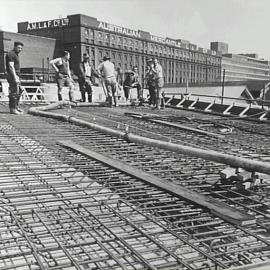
100 54
87 50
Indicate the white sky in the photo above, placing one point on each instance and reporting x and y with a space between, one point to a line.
244 24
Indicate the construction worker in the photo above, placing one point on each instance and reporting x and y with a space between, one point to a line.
13 77
85 78
136 84
107 71
157 70
150 81
127 85
63 75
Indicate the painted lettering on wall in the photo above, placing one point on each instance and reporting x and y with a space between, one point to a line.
48 24
119 29
167 41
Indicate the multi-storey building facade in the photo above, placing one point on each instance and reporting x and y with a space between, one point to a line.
181 60
241 67
244 68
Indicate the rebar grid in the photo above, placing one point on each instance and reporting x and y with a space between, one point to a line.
254 138
219 244
43 229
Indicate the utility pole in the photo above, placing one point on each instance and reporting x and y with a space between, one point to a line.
187 80
223 79
48 69
263 96
43 68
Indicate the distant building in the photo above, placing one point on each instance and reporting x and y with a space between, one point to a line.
182 61
221 47
241 67
36 53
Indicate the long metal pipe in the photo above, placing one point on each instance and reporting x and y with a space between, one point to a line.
231 160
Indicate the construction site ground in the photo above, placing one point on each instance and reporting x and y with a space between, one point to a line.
85 186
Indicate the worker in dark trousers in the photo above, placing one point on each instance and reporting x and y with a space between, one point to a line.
136 84
13 77
132 81
150 82
63 75
157 70
86 75
127 85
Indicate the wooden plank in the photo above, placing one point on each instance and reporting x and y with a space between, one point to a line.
216 207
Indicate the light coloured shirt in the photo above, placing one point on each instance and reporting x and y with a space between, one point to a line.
158 71
87 69
107 69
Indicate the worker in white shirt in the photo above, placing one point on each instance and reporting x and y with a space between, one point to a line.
157 70
107 71
86 78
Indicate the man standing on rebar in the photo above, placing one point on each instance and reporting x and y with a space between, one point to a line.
157 70
150 82
127 85
63 75
13 77
86 74
136 84
106 69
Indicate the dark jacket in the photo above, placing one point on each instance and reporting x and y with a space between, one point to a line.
82 75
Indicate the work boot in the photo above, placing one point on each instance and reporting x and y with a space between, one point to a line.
17 105
110 101
14 111
115 99
60 97
21 111
71 96
162 104
83 97
90 98
158 101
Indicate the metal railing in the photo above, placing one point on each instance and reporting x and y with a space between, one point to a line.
259 101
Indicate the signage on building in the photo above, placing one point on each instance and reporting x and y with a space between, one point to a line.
119 29
167 41
48 24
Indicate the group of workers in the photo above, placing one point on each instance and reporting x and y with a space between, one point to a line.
105 71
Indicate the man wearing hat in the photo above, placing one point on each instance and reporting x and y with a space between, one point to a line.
13 77
150 81
106 69
157 70
86 74
127 85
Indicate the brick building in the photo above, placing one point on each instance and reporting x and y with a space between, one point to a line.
181 60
